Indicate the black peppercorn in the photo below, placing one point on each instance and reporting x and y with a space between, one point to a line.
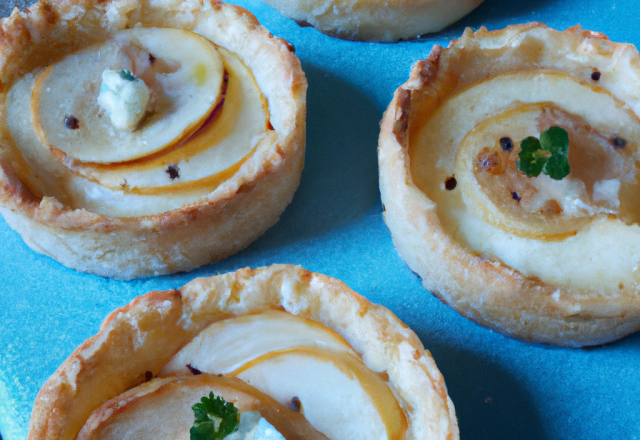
595 75
515 196
619 142
450 183
506 143
71 122
173 171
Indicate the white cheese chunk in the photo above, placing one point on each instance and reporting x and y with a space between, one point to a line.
253 427
607 191
124 98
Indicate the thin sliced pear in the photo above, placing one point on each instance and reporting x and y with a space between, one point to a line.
233 132
227 345
45 175
183 70
161 408
443 133
339 395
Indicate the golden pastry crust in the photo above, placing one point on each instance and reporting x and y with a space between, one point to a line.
482 287
215 226
143 336
375 20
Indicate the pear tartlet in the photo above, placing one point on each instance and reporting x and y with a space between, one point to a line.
375 20
543 259
315 358
146 137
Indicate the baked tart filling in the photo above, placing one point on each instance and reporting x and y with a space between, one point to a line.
138 124
313 358
524 143
204 116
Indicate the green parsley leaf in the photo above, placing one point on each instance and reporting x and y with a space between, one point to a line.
548 155
556 140
215 418
126 74
532 157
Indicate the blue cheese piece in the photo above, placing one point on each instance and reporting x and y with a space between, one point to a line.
124 98
253 427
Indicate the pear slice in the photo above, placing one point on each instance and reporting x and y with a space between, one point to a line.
183 70
238 124
339 395
288 356
161 408
227 345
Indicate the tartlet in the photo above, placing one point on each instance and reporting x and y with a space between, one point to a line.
138 210
302 338
538 259
375 20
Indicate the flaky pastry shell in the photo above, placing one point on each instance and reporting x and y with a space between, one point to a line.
139 339
215 226
375 20
483 287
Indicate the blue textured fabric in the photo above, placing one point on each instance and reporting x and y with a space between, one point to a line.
501 388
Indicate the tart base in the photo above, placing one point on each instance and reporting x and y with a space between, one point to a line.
215 225
138 340
482 288
375 20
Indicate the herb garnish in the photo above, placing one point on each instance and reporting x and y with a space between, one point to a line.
548 155
215 418
126 74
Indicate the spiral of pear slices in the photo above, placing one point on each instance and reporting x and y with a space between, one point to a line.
206 116
316 359
538 258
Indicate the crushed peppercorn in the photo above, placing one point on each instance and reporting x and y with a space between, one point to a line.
619 142
515 196
152 59
173 171
450 183
595 75
148 375
71 122
295 404
193 370
506 143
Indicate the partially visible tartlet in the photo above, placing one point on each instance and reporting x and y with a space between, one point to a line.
552 258
336 365
375 20
211 165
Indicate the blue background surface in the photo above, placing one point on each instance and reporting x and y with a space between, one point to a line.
502 388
